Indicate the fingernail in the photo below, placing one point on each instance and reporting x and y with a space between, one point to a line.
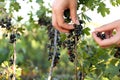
77 22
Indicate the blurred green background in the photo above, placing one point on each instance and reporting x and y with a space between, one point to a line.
32 51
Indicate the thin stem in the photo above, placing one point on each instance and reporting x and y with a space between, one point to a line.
53 57
14 62
100 76
75 52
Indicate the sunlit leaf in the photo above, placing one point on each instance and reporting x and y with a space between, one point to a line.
102 9
86 31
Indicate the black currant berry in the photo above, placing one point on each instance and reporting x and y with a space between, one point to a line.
11 61
98 34
117 54
101 35
67 13
12 38
11 76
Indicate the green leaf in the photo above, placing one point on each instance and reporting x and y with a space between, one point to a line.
2 0
63 37
30 0
21 30
19 18
84 16
39 1
86 31
111 70
102 9
15 6
118 1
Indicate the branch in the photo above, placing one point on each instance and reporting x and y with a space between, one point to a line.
53 57
75 52
14 62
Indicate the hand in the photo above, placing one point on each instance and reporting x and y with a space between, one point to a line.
110 38
58 8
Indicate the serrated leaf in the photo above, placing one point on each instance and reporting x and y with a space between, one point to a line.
102 9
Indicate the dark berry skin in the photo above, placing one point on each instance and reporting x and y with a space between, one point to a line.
11 76
117 54
11 61
73 36
101 35
51 46
98 34
12 38
67 13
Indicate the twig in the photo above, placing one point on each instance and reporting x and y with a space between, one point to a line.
53 57
14 62
100 76
75 52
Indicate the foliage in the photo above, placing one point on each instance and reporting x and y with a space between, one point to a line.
31 48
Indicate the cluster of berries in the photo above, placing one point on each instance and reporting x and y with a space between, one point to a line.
101 35
12 38
72 39
5 23
51 46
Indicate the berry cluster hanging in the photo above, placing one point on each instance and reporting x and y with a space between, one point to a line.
6 23
54 45
69 43
72 39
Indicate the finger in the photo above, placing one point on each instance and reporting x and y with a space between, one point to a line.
73 12
54 23
107 27
104 47
60 20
